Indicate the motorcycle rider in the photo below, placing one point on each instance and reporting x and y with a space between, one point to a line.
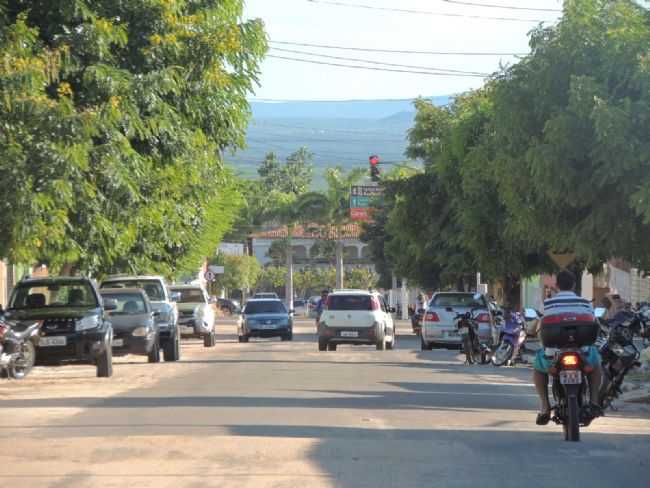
566 300
321 304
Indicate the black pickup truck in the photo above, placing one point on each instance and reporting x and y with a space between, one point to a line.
75 326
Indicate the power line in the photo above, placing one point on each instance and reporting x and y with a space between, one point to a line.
359 60
423 12
396 51
429 73
504 7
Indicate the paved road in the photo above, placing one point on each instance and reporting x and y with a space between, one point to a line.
273 414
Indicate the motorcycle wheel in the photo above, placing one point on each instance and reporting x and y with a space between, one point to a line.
25 362
502 354
572 422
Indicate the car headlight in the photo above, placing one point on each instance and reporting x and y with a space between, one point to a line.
87 323
140 332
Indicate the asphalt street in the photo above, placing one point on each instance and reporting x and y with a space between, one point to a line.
279 414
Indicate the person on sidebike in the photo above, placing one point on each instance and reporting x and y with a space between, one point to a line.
566 300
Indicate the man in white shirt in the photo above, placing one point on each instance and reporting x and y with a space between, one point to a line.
565 301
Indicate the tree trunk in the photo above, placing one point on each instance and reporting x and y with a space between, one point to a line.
289 284
339 264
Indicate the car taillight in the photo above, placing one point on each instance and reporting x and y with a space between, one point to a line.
374 303
570 361
432 317
483 317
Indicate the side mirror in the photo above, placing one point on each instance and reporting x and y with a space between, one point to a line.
498 313
155 313
110 304
175 296
530 314
292 311
600 312
392 310
477 296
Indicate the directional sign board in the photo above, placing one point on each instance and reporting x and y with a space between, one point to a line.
216 269
361 198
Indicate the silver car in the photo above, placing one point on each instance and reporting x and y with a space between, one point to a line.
439 327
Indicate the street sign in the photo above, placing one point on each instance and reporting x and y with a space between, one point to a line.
562 259
216 269
361 197
209 276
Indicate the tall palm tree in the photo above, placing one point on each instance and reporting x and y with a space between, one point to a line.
339 184
292 210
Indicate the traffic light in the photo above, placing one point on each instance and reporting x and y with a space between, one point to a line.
374 167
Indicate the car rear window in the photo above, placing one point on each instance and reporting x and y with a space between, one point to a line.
153 288
264 306
456 300
349 302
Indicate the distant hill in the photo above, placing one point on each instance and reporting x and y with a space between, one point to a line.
337 132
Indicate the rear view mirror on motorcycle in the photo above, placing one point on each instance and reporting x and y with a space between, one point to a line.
600 312
530 314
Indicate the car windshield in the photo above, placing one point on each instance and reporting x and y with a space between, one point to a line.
349 302
153 288
50 295
190 295
456 300
127 303
264 306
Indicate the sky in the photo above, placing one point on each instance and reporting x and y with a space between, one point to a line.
322 22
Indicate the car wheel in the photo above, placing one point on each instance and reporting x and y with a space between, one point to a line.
243 338
172 350
331 347
105 363
322 346
288 337
154 354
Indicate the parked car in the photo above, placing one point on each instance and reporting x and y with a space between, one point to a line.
195 314
356 317
299 307
228 306
162 302
75 324
312 303
265 318
262 295
439 328
135 330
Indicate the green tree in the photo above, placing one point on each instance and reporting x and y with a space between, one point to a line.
115 116
272 278
361 278
293 176
240 272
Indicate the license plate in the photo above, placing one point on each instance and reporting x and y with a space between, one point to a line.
118 342
53 341
452 333
570 377
187 330
349 333
268 326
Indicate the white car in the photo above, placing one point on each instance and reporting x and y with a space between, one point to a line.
196 317
356 317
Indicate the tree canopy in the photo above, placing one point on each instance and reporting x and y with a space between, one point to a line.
552 154
115 117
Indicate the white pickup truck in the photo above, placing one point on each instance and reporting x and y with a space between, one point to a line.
196 317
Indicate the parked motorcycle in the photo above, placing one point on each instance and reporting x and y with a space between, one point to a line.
17 349
618 351
511 340
476 351
568 334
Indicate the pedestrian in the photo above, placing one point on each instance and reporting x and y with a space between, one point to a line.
321 305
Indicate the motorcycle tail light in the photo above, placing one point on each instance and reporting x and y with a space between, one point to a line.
483 317
570 361
432 317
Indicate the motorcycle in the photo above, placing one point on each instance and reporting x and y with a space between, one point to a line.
476 351
511 341
568 334
618 351
17 349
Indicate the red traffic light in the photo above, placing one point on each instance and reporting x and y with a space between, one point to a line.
374 160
